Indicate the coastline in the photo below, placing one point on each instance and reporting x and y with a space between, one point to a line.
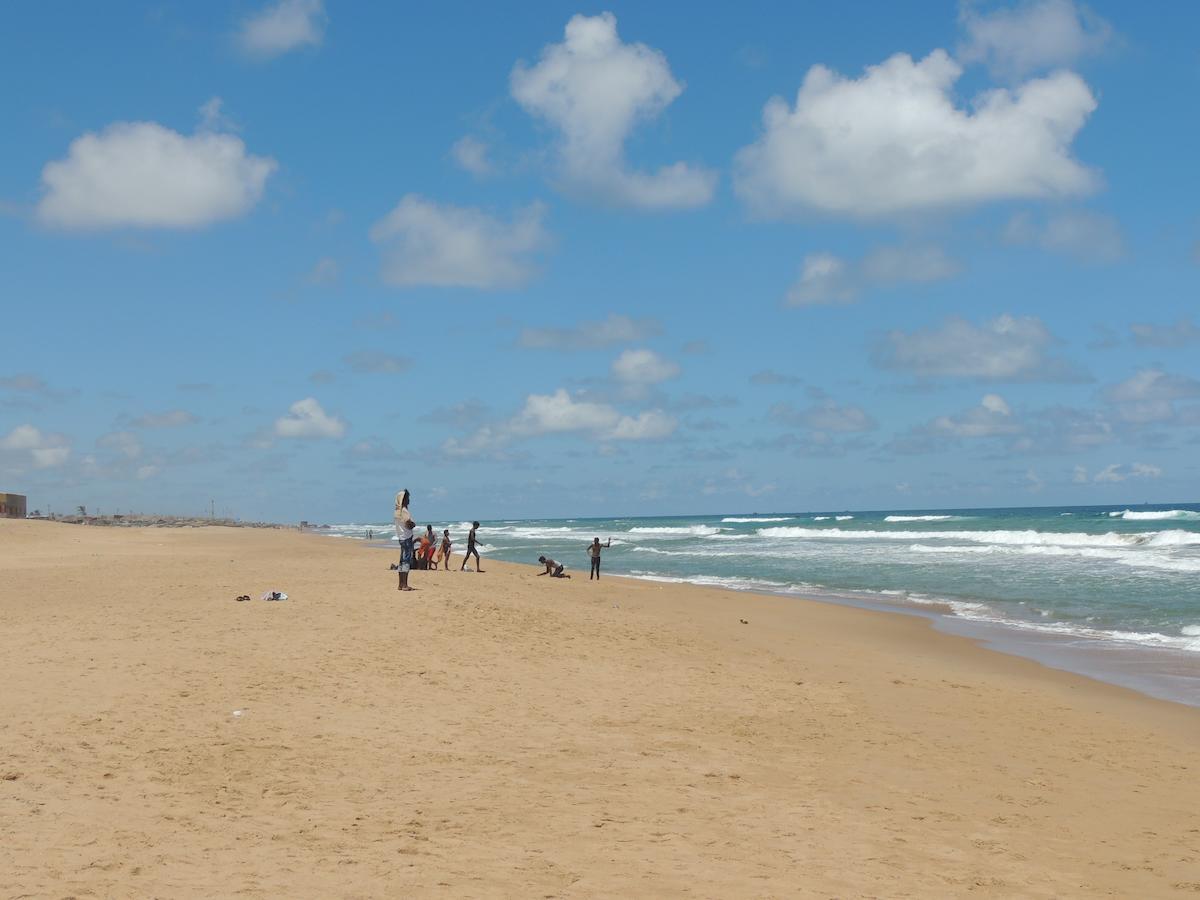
509 733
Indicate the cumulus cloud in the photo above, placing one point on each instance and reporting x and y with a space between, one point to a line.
1034 35
991 418
1150 396
893 143
124 443
472 154
144 175
593 88
591 335
439 245
283 26
173 418
642 366
306 419
1123 472
375 362
824 416
28 445
324 271
560 413
826 279
1006 348
1089 237
1182 333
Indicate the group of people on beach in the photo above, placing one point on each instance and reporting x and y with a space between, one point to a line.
426 552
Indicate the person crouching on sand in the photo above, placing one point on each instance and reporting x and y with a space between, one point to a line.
594 549
553 569
404 533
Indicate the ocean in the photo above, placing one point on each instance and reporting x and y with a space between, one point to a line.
1110 592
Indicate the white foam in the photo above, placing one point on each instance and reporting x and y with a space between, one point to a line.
684 530
1126 557
920 518
1174 538
843 518
1191 630
1156 515
764 519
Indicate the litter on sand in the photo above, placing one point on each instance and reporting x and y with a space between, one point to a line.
274 595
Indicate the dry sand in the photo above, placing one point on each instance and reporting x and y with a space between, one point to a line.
500 734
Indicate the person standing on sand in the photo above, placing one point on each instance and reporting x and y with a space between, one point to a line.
404 533
472 549
594 549
446 545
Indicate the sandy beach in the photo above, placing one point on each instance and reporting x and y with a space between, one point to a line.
501 734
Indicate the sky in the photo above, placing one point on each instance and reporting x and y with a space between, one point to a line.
284 259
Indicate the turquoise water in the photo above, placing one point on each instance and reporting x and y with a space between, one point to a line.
1106 579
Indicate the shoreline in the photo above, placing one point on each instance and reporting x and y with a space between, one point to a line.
1160 673
510 734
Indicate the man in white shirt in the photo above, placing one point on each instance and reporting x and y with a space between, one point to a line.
404 534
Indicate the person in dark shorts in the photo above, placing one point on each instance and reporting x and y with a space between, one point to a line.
553 569
594 549
446 544
472 549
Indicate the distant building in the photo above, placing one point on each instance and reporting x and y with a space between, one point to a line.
12 506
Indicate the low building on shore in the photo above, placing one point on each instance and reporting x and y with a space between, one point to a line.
12 506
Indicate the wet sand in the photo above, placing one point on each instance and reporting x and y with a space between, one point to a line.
501 734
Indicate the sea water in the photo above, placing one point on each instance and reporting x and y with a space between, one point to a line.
1110 591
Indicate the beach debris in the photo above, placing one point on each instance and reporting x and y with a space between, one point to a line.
242 598
274 595
743 621
237 713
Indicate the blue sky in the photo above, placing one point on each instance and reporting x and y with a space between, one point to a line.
565 261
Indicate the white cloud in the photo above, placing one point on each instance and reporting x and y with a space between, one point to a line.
642 366
171 419
1006 348
650 425
594 88
1150 396
306 419
826 279
1180 334
283 26
1121 472
1035 35
27 444
991 418
324 271
144 175
472 154
124 443
1087 236
615 329
893 142
560 413
424 243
